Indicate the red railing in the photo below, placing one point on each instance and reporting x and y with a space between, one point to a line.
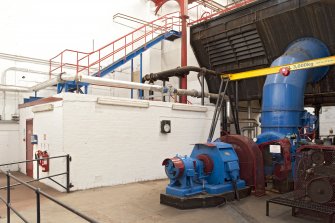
92 62
205 16
87 63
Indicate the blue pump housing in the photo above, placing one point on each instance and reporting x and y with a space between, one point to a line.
283 113
212 168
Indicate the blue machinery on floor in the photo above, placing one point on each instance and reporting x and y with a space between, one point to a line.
214 167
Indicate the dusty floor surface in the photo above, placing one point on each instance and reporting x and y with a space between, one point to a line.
138 202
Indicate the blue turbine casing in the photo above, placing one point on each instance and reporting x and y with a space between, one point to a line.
283 96
188 175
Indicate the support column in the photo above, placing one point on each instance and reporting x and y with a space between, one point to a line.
132 77
184 15
317 127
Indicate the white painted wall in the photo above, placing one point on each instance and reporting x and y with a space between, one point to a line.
327 120
111 144
9 144
70 25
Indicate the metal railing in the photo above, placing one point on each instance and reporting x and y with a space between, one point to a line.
92 62
39 193
68 185
117 49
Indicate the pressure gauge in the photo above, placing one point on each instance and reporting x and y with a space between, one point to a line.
165 126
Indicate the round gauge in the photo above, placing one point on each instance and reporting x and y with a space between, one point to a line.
167 127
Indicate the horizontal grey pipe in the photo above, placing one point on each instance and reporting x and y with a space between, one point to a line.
178 72
104 82
108 83
197 94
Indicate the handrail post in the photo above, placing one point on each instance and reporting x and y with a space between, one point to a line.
61 63
38 205
125 46
8 197
88 65
50 62
99 62
68 184
37 169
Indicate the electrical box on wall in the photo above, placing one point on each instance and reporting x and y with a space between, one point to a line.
165 126
34 139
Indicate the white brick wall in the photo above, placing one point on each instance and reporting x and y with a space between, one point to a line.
9 144
113 145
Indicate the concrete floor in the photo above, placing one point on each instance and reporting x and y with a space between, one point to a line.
138 202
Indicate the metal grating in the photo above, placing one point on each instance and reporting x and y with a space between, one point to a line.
235 48
251 37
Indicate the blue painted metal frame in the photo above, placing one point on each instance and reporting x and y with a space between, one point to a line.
171 35
137 52
71 85
140 92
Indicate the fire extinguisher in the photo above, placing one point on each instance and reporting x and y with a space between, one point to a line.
44 160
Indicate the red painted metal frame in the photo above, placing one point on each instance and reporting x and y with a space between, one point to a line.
229 8
84 62
92 62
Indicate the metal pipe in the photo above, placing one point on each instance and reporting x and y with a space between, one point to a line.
3 82
132 77
317 127
45 84
210 136
283 96
12 88
249 117
238 131
202 88
108 83
21 69
9 175
184 16
141 74
224 117
68 184
113 83
178 72
8 198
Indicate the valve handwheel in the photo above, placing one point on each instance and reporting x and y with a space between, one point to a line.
320 190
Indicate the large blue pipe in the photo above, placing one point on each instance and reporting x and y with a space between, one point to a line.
283 97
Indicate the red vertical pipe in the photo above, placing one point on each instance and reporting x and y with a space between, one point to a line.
183 80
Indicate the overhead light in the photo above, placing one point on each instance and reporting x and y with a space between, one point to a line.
184 107
127 103
43 108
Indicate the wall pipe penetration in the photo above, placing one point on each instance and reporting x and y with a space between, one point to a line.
107 83
283 96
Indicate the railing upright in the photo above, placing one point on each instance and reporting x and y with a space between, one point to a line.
8 198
